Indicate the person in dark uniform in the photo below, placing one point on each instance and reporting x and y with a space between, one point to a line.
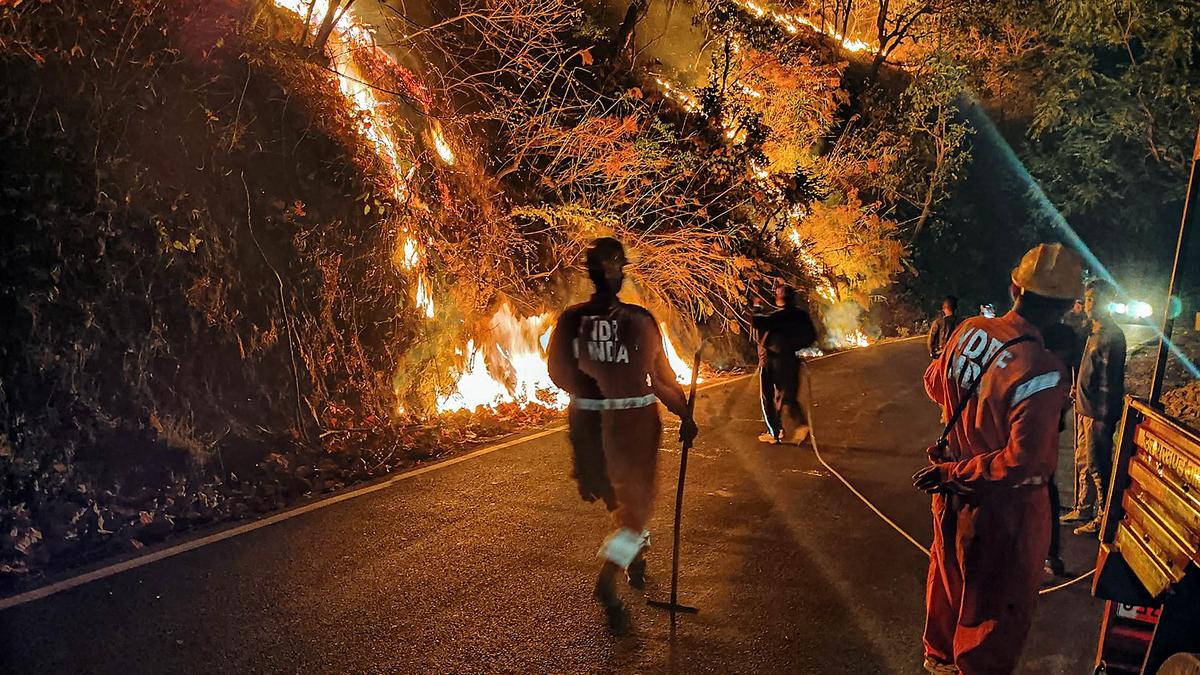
781 334
608 355
943 327
1061 340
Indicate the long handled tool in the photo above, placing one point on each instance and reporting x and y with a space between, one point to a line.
673 605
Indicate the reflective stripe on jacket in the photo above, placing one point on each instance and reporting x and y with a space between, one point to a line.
1009 431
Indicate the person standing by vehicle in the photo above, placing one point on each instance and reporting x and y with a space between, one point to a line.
1061 339
1100 393
781 335
608 355
943 327
1083 507
991 510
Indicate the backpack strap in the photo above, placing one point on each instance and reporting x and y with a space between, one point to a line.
962 403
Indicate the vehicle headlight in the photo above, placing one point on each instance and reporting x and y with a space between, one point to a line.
1140 309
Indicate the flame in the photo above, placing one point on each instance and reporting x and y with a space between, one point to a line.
512 366
679 93
439 143
792 22
424 301
683 369
513 369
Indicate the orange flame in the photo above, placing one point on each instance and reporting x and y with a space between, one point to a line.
512 366
792 22
683 369
439 143
512 370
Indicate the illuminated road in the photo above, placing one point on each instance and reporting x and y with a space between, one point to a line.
486 565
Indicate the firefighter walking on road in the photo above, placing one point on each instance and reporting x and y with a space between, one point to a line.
782 333
608 355
990 503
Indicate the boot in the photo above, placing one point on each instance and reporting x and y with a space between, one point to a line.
799 435
1089 528
1076 515
605 593
636 572
937 667
1055 566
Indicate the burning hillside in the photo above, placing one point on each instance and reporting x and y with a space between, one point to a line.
282 246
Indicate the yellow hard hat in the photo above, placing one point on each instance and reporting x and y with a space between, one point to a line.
1052 271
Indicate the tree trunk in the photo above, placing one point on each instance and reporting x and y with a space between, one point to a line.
303 36
876 64
332 15
633 15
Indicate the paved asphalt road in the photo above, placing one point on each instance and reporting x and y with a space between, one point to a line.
486 565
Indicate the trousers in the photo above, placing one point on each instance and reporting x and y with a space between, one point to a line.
631 440
615 459
1098 444
779 390
985 567
1085 486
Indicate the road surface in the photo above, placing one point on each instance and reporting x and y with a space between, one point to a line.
486 565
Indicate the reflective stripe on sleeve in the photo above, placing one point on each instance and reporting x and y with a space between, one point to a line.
1035 385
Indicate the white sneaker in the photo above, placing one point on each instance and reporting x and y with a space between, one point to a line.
767 438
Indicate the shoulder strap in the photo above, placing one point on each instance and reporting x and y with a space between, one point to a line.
962 403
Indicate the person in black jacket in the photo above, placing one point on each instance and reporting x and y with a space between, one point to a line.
1100 392
781 334
943 327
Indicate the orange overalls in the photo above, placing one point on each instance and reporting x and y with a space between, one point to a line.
992 529
608 355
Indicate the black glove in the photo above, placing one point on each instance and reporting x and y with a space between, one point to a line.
688 430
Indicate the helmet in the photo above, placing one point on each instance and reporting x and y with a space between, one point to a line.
606 258
1051 271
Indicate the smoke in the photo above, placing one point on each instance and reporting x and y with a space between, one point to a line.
844 324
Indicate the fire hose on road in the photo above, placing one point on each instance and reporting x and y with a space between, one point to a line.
875 509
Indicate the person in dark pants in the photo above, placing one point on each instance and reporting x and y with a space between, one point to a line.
943 327
1062 341
1100 392
781 334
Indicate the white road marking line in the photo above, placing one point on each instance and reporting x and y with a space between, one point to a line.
184 547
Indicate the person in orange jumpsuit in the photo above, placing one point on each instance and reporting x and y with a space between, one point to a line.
608 355
991 520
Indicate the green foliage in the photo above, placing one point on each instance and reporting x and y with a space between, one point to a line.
1107 96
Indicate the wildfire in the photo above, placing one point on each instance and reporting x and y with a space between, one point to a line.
857 339
511 366
679 93
683 369
439 143
792 22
